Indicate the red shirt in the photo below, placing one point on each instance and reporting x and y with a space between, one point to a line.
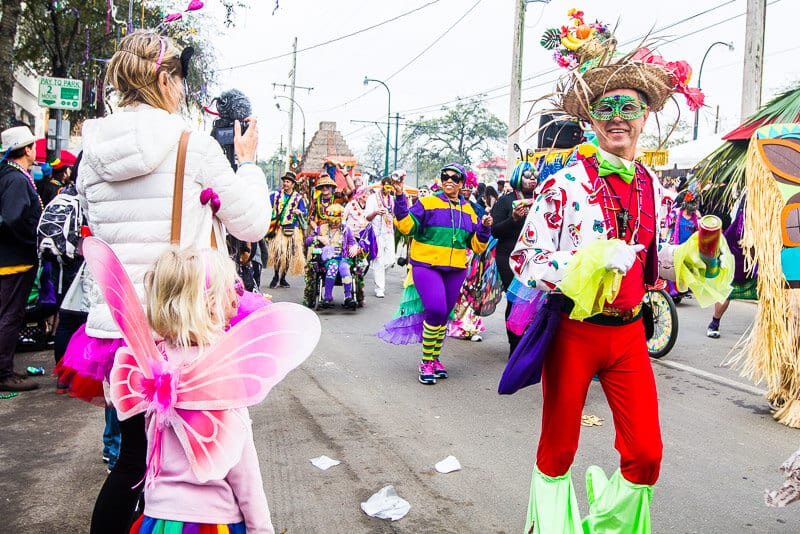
638 199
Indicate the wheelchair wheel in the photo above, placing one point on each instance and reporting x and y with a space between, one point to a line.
317 291
665 319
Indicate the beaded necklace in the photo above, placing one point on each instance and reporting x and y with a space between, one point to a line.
619 225
387 217
17 166
322 207
452 217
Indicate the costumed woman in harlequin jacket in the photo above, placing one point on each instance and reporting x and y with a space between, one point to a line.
590 242
442 225
339 247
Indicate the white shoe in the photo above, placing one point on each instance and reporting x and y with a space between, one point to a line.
379 294
476 337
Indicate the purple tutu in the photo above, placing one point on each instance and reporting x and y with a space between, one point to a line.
91 357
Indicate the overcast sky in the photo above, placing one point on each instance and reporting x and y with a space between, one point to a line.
449 49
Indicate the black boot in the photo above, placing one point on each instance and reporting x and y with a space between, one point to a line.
283 282
274 282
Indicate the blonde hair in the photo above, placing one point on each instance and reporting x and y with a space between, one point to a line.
187 292
133 70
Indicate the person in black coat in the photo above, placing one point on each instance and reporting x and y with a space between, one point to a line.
507 225
20 209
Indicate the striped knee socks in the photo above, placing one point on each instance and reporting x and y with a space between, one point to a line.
432 339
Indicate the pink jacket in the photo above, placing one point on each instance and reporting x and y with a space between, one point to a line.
178 495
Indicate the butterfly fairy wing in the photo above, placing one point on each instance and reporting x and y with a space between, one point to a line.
121 297
132 364
212 439
127 391
250 359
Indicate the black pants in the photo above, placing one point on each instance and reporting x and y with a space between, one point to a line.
506 277
115 508
14 291
68 323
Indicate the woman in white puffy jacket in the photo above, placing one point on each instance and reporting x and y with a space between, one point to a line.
126 183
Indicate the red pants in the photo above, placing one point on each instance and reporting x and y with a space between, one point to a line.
618 355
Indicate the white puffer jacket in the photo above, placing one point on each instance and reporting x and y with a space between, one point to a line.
126 180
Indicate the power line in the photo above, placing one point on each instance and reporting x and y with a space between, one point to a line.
365 93
357 32
462 17
486 98
556 69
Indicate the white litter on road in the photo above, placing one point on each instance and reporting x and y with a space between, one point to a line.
323 462
386 504
448 465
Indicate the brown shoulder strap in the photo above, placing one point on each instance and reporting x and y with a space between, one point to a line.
177 194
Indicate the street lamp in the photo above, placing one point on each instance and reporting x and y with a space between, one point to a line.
278 105
388 122
700 75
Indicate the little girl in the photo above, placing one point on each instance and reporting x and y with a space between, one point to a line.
194 386
191 297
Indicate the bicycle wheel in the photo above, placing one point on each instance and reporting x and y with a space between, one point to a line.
665 319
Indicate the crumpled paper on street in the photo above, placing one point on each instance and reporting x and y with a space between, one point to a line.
323 462
591 420
448 465
386 504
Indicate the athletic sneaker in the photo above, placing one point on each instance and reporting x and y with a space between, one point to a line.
476 337
439 370
379 293
713 332
426 373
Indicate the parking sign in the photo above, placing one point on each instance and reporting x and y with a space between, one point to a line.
60 93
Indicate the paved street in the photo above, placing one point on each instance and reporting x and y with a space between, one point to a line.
357 400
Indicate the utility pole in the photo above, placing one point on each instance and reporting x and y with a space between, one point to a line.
291 95
515 93
753 57
396 141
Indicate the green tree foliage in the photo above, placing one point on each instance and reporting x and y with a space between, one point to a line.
372 159
466 132
75 39
654 136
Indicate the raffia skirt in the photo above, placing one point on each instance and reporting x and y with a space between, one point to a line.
286 253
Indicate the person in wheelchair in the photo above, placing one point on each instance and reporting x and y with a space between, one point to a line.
334 248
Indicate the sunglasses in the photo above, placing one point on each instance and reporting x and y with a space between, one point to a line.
457 178
625 107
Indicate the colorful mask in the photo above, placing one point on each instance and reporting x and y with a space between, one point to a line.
625 107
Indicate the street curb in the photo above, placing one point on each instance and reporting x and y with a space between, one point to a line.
712 377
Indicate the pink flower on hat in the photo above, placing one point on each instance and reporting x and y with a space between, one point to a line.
680 71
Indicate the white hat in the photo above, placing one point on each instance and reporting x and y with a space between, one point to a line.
16 137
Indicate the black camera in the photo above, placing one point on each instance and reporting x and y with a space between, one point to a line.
232 105
402 261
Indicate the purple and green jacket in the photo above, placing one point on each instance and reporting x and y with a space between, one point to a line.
441 231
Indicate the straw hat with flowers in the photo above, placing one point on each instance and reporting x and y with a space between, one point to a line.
589 52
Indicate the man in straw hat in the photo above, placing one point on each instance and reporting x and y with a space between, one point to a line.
590 242
20 209
321 199
284 235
